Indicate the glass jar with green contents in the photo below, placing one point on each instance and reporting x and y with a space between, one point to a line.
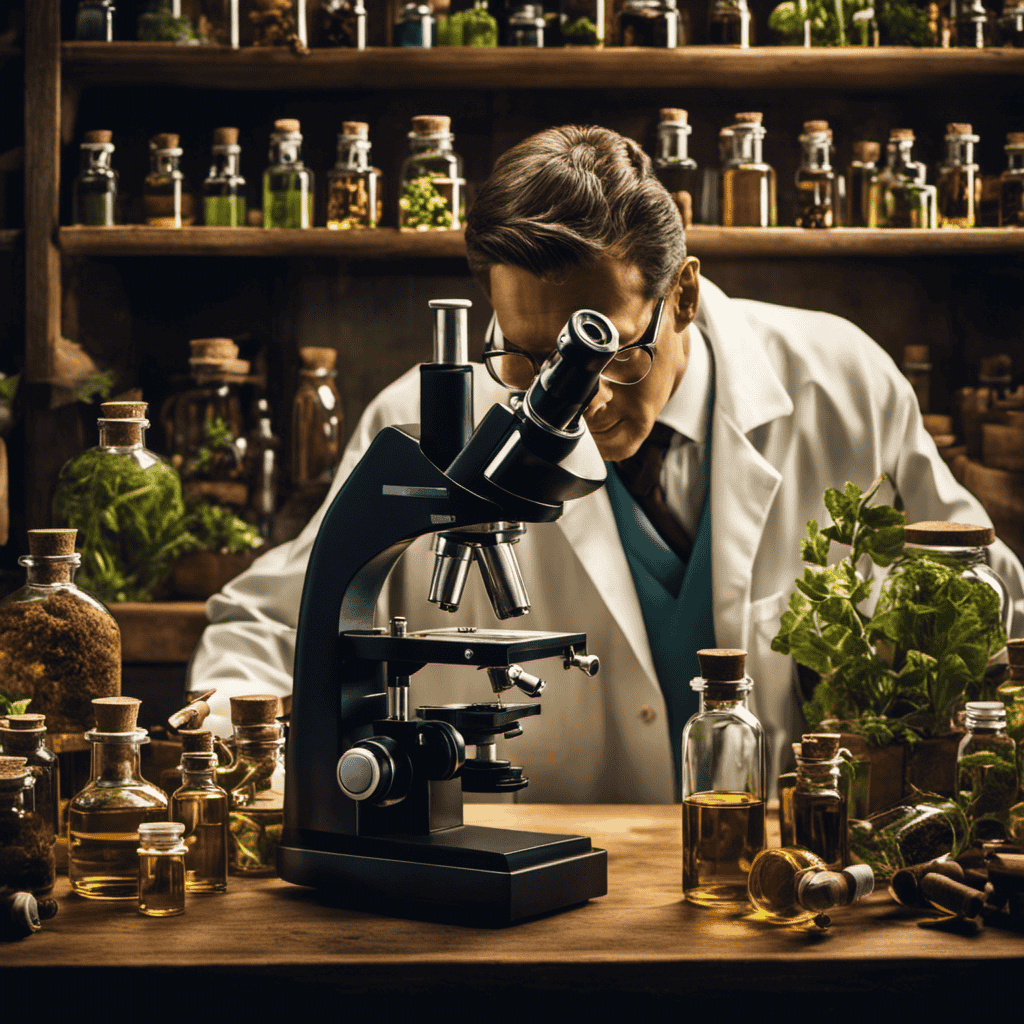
167 198
582 22
987 766
432 193
353 186
900 197
478 27
287 182
95 195
224 188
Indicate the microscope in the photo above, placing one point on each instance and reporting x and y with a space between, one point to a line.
373 800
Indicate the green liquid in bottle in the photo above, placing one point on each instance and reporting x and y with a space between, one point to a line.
224 211
95 209
287 208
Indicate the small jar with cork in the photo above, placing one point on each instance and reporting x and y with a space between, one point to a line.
317 421
747 186
432 189
167 199
675 168
287 182
354 185
817 185
94 202
958 186
224 203
26 838
24 736
900 195
343 23
859 177
819 800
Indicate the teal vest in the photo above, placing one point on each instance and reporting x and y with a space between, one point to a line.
675 598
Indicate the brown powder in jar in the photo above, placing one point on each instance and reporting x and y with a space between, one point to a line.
61 652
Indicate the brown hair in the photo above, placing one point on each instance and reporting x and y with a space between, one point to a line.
567 197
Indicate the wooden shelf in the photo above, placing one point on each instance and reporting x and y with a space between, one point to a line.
886 69
159 631
390 244
10 238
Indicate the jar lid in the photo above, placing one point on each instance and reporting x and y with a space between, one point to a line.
985 712
255 709
901 135
866 151
162 834
816 126
196 741
722 664
1015 138
673 115
316 358
355 129
287 126
820 746
431 124
48 543
165 141
24 723
116 714
98 138
124 410
956 535
225 136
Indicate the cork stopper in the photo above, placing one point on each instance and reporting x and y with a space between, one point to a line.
13 767
722 664
287 126
901 135
99 137
255 709
958 128
196 741
42 543
24 723
431 124
355 129
213 348
194 713
225 136
749 117
1015 138
867 152
116 714
917 355
314 358
124 410
957 535
819 746
673 115
165 140
816 126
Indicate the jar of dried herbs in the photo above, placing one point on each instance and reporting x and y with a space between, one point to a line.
432 194
317 422
986 763
26 839
343 23
59 646
353 186
23 736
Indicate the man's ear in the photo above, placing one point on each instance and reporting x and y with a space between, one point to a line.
687 291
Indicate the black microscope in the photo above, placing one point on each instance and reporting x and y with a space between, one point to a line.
373 799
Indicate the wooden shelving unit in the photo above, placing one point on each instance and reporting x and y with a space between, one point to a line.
161 631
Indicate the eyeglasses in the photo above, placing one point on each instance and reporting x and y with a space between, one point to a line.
514 369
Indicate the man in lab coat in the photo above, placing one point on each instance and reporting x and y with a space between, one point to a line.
764 407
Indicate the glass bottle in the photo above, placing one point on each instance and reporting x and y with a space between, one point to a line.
526 24
654 23
1011 24
861 175
675 169
900 198
817 192
730 24
218 22
723 773
161 887
479 28
94 21
581 22
201 805
343 23
1011 183
819 801
318 427
224 189
23 736
263 455
747 186
167 197
162 21
104 817
26 839
354 185
433 190
917 368
991 785
958 183
41 623
792 885
95 194
972 25
415 25
287 182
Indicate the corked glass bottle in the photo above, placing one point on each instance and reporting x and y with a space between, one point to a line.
958 185
167 197
224 188
819 801
94 21
201 805
432 189
95 193
104 817
917 368
26 838
817 185
654 23
747 187
287 182
1011 24
675 169
59 646
860 176
1011 183
900 196
24 736
263 470
354 185
730 24
318 427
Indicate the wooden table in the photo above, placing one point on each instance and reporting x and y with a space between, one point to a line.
276 945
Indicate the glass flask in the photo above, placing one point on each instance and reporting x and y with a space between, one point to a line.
900 197
1011 183
723 774
94 21
917 368
654 23
318 427
354 185
987 773
161 853
224 188
287 182
1011 24
167 197
958 185
255 782
95 193
582 22
861 174
104 817
730 24
972 25
162 21
675 169
26 838
415 25
24 736
201 805
747 186
40 624
343 23
819 801
432 194
526 25
817 192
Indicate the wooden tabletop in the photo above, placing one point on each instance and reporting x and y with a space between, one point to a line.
640 941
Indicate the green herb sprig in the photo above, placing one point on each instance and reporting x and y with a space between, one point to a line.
12 705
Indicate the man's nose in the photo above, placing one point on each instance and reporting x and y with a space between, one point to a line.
601 398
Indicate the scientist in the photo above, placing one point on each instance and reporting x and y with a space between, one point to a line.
725 420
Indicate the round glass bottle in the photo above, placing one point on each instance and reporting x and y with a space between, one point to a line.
1011 182
94 21
201 805
817 192
675 169
415 25
959 184
747 186
167 197
582 22
224 188
900 197
723 773
317 422
24 736
42 622
432 190
287 182
654 23
862 173
104 817
354 185
26 839
95 191
987 774
161 853
343 24
730 24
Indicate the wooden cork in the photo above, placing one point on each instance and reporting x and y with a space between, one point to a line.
816 126
98 138
194 714
901 135
959 535
722 664
213 348
314 358
1015 138
431 124
196 741
225 136
255 709
13 767
124 410
750 117
355 129
24 723
958 128
116 714
165 140
866 152
917 355
673 115
287 126
819 746
43 543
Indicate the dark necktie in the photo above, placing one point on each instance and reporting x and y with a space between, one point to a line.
641 476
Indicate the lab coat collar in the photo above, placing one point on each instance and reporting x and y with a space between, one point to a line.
686 411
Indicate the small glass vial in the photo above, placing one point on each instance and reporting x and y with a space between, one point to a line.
900 197
415 25
202 806
94 21
318 428
817 192
581 22
1011 24
819 801
526 25
1011 183
723 773
860 176
343 24
973 25
104 818
26 839
161 869
747 186
730 24
793 885
990 787
95 194
24 736
432 193
167 198
653 23
287 182
958 183
354 185
224 189
675 169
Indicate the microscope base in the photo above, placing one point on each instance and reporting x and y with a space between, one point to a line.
468 874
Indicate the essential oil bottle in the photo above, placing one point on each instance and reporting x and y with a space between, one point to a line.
167 198
1011 183
959 182
201 806
354 185
859 178
747 187
675 168
94 201
287 182
224 189
817 192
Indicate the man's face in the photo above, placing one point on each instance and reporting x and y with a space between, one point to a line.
531 312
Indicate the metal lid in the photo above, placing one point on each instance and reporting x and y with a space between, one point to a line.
985 712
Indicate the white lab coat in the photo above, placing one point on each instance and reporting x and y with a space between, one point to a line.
803 401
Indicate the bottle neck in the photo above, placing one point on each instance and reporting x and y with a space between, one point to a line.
901 162
955 558
116 761
198 768
673 143
443 142
12 793
49 571
22 741
122 435
816 153
353 153
96 159
816 776
226 162
960 150
165 161
286 150
746 144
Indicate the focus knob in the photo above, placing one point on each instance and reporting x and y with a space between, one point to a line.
366 771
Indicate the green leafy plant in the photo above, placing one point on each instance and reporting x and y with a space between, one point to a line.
216 528
216 447
12 705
